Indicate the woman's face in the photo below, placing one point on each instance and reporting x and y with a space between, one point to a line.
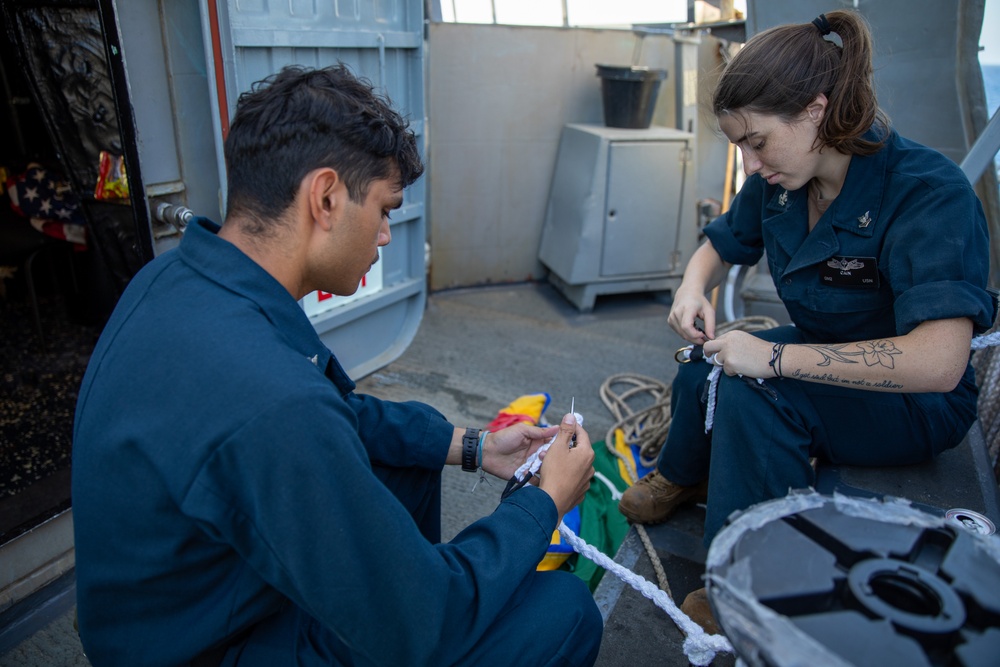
781 151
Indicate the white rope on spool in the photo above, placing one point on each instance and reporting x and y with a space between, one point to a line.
986 362
986 340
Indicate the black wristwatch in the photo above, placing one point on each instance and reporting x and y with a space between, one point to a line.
470 445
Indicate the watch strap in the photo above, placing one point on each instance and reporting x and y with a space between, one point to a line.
470 445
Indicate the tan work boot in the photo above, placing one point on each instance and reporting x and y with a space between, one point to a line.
654 498
698 609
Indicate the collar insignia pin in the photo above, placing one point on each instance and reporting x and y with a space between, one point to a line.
864 220
315 360
783 198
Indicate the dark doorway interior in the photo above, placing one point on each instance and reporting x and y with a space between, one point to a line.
65 255
45 340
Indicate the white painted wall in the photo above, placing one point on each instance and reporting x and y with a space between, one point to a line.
498 97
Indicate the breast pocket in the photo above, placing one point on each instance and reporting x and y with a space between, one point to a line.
840 314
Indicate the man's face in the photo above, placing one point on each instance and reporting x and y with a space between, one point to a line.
362 228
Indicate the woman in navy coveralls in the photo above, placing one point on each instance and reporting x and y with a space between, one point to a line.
879 251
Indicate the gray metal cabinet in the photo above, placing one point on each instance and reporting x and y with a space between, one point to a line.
644 179
621 214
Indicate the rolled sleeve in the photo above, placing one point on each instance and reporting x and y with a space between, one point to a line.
944 300
934 267
736 234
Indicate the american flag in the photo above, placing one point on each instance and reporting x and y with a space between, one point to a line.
41 193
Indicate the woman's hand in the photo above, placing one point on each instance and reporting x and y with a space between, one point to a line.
740 353
705 270
688 307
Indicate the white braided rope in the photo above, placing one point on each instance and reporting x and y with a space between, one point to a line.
534 461
713 388
986 340
699 646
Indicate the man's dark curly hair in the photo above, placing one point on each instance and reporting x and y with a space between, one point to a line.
302 119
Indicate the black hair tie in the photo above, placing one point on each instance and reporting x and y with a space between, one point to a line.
822 24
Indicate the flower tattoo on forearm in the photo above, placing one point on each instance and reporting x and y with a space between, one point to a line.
874 353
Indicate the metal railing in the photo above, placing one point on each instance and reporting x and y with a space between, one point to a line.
982 153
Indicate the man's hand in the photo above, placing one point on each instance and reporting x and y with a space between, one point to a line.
505 451
566 470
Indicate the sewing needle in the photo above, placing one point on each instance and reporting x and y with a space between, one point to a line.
572 408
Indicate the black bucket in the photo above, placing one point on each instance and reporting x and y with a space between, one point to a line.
629 95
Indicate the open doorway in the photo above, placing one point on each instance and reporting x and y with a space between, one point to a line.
66 250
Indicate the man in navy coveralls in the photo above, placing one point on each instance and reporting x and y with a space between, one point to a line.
236 503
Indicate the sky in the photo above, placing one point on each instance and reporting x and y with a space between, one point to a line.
990 36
